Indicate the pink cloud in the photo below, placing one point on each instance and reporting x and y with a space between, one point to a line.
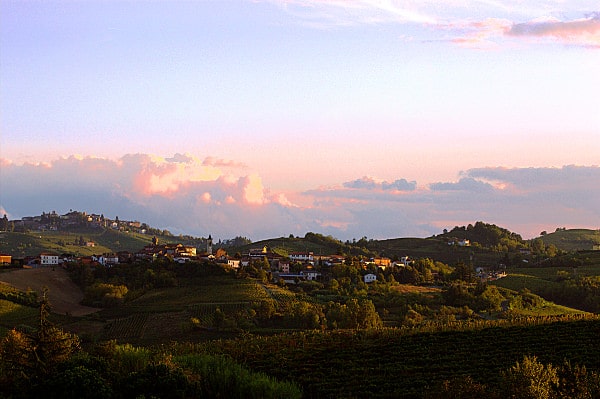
218 162
488 33
183 195
479 34
254 192
584 32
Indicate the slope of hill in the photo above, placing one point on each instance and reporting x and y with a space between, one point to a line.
63 294
67 241
573 239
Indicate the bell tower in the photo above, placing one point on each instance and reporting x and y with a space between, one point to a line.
209 245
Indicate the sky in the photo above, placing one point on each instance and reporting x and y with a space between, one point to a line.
267 118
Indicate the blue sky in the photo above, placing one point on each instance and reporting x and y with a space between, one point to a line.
281 107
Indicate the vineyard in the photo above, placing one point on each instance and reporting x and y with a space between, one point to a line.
204 312
128 327
280 295
400 364
172 313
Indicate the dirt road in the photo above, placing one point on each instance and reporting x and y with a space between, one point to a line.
64 295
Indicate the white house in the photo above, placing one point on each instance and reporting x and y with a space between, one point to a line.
369 278
302 256
108 259
311 275
48 259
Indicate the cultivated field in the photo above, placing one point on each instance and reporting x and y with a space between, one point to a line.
64 295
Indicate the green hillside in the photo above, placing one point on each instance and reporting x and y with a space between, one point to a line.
106 240
573 239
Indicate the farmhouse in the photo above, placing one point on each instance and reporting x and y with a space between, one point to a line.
107 259
48 259
302 257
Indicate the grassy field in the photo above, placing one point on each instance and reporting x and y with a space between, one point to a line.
106 240
12 314
540 278
519 281
573 239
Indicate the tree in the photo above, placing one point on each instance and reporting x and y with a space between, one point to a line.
463 272
530 379
28 357
218 318
575 382
52 345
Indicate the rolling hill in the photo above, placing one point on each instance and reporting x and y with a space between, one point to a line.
573 239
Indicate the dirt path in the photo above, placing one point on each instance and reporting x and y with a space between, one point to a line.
64 295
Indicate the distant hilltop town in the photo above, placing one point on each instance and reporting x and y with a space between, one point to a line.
52 221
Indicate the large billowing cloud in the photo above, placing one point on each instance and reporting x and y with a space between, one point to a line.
196 196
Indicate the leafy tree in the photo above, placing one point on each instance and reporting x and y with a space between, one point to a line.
106 295
490 298
74 383
28 357
460 388
576 383
530 379
218 318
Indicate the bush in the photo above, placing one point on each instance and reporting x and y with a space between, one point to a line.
221 377
104 295
74 383
156 381
530 379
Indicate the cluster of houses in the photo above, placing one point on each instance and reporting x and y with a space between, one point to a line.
53 221
300 266
296 267
178 252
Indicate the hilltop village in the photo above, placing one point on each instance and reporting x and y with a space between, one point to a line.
297 266
290 268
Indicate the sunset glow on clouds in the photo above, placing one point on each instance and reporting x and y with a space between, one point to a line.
221 205
265 118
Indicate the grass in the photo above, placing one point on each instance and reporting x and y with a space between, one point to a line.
13 314
549 309
573 239
518 281
106 240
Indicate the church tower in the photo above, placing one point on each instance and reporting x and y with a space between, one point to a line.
209 245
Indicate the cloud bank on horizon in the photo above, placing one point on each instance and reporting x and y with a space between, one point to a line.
189 195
